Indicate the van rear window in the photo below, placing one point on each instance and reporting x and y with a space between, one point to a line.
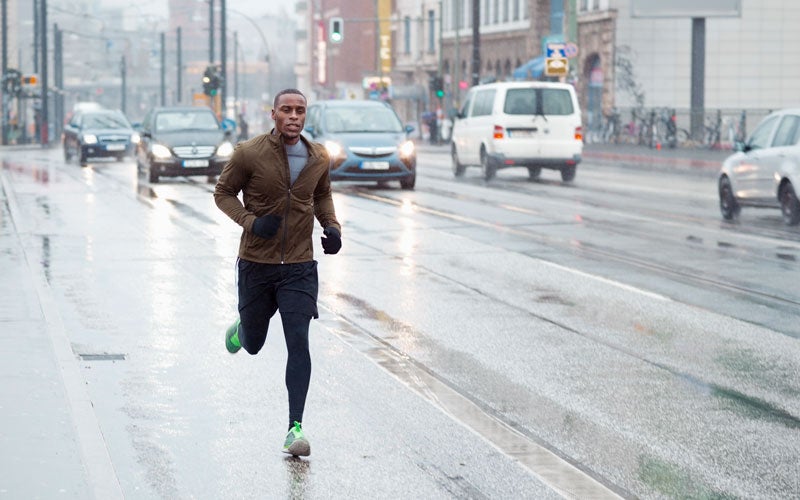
538 101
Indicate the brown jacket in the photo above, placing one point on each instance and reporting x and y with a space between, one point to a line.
259 168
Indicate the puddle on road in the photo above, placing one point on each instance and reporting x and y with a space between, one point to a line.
560 475
672 481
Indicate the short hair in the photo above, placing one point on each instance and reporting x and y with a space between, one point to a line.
284 92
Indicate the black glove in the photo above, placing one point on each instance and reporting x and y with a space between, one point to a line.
266 226
332 241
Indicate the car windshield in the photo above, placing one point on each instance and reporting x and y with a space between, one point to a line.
105 120
361 119
185 120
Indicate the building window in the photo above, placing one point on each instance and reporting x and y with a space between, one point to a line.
525 11
407 35
584 6
515 16
496 12
431 31
506 10
485 13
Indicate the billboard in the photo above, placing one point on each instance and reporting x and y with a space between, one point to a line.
686 8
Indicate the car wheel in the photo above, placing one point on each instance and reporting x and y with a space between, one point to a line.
489 170
408 182
790 206
458 167
728 205
153 177
534 173
568 173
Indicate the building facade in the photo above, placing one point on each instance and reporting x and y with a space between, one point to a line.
752 61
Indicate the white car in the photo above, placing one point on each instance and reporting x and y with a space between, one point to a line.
765 170
534 125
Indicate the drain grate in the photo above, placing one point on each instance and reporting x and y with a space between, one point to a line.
102 357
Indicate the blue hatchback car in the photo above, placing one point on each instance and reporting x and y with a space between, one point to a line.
365 139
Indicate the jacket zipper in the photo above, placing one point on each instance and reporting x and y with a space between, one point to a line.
286 224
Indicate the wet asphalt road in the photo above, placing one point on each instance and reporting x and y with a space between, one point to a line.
506 340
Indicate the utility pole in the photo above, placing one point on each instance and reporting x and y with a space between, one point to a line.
455 90
5 37
6 101
211 31
163 69
180 67
476 42
223 55
235 67
44 129
123 90
36 35
58 77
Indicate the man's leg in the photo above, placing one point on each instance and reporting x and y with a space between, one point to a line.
257 303
298 362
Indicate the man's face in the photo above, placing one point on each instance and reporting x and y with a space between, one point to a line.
290 116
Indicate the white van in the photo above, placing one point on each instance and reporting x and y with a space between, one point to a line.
519 124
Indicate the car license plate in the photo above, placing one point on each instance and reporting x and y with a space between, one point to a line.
521 134
115 147
195 163
375 165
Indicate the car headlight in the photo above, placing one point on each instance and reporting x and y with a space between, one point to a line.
334 149
161 152
225 149
407 149
135 138
89 139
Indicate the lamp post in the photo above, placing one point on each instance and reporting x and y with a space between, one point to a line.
267 57
123 90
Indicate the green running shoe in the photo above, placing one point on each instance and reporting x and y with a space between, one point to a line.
296 443
232 337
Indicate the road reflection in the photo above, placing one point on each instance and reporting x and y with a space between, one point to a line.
297 476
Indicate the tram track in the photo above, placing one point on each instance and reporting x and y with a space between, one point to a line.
781 304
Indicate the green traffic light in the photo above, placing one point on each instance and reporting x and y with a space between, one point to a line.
213 92
440 93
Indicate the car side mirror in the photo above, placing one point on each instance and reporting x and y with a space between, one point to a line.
310 130
409 129
739 146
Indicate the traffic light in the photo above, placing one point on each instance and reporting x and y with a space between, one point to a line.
437 85
211 81
12 82
336 30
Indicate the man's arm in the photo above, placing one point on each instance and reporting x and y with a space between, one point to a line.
231 181
323 203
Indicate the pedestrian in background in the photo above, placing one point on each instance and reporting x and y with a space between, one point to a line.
284 182
244 128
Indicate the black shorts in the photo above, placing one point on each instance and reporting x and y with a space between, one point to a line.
278 287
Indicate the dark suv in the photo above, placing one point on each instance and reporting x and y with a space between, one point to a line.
182 141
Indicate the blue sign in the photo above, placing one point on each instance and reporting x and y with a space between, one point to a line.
556 50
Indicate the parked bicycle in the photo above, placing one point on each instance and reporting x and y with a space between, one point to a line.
673 135
611 127
713 132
